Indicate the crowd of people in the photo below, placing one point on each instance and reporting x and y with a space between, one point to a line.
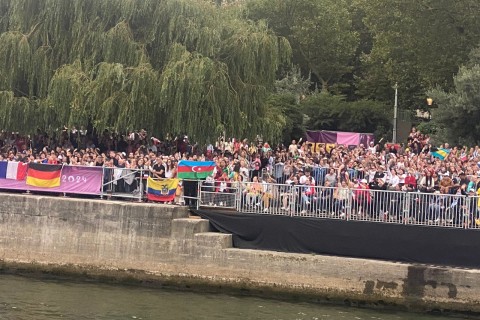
258 169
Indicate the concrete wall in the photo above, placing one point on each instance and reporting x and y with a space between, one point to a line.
153 243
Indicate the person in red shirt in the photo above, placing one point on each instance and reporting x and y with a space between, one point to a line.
53 158
363 198
21 143
410 182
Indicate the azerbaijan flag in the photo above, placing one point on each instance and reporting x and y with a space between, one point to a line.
195 169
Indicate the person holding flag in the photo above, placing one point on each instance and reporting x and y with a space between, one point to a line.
191 171
158 169
194 170
440 153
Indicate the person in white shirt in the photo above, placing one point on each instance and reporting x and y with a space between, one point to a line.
208 188
243 171
228 146
169 169
393 180
371 173
293 148
305 178
401 177
372 148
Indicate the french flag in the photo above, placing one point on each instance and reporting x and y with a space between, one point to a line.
13 170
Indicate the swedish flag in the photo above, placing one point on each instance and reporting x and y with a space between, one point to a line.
161 190
440 153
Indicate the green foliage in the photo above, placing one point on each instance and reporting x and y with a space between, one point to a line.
204 67
15 62
427 127
66 103
13 110
418 43
164 65
320 32
332 112
293 83
291 113
456 117
361 48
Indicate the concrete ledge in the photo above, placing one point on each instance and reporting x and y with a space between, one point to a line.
187 228
213 240
151 242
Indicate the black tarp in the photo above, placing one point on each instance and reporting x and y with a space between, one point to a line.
361 239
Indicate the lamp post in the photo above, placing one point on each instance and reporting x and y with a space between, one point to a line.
395 107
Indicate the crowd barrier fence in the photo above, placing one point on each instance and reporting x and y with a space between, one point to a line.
124 183
218 194
281 173
412 208
409 208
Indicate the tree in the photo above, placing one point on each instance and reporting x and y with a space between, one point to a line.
456 118
417 43
164 65
285 104
320 32
332 112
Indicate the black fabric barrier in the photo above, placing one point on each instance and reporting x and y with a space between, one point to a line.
394 242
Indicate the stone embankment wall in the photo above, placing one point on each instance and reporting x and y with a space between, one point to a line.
157 244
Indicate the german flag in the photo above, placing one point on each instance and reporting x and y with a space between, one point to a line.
44 175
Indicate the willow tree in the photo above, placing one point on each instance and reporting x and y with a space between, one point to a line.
66 103
121 98
18 113
254 54
15 62
164 65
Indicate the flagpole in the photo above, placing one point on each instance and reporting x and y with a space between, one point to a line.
395 106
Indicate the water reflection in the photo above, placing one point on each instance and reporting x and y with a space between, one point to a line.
25 298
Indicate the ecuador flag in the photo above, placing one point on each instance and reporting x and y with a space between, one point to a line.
440 153
195 169
161 190
44 175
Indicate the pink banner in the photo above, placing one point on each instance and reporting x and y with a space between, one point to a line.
81 180
348 138
338 137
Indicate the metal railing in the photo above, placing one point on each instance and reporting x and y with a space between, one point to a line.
281 173
381 206
124 183
218 194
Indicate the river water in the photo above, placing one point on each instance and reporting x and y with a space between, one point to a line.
32 299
